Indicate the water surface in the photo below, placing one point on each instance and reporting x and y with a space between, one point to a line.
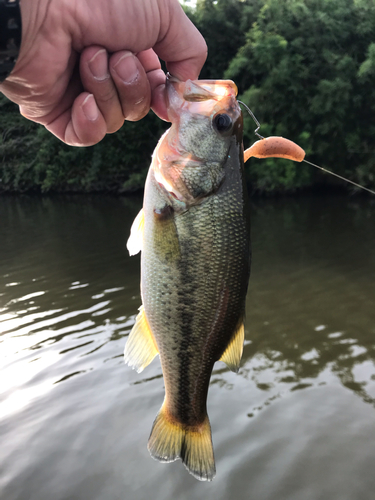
298 422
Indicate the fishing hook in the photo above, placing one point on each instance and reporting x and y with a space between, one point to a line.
253 117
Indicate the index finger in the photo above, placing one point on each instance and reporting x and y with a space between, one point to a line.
180 43
156 78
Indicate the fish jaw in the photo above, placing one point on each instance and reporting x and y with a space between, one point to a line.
203 98
188 161
180 93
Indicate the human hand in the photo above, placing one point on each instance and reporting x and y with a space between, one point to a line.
85 66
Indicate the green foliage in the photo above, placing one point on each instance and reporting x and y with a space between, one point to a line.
33 159
303 70
305 67
223 25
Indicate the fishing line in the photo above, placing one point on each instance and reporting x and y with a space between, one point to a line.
306 161
340 177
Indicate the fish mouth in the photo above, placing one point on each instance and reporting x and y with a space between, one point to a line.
201 90
209 95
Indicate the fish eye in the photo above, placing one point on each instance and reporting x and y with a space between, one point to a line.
222 122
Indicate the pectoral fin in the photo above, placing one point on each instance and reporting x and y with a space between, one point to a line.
134 244
165 237
141 348
233 353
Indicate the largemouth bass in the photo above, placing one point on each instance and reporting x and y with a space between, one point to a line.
194 234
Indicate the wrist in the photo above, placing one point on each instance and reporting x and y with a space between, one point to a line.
32 17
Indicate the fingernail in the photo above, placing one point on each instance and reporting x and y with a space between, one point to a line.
126 68
98 65
90 109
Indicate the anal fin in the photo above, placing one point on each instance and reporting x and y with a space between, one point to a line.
134 244
233 353
141 348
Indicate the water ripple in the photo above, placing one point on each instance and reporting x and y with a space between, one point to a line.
74 419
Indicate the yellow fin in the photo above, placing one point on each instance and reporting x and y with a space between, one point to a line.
233 353
141 348
170 440
134 244
166 242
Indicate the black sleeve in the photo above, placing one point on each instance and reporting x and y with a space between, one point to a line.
10 35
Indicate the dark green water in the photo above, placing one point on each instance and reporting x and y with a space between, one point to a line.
297 423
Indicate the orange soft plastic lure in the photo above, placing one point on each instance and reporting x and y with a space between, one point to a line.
278 147
275 147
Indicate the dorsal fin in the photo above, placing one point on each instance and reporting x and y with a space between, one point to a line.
233 353
141 348
134 244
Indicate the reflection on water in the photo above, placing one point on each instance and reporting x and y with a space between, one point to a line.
74 420
312 293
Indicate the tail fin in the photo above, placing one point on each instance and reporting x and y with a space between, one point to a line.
170 440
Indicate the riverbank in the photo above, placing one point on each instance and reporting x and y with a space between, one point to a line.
313 86
34 161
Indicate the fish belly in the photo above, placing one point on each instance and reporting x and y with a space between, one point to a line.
195 270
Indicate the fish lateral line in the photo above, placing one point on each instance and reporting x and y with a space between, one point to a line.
182 239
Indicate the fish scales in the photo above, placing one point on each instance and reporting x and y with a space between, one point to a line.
195 268
185 311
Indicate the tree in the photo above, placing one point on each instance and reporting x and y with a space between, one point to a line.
305 67
303 72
